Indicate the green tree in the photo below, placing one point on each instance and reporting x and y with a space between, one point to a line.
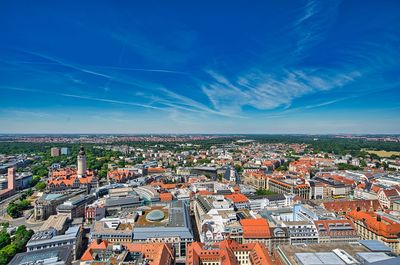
12 210
283 167
15 209
4 239
103 173
23 205
40 170
343 166
5 225
29 192
264 192
8 251
35 180
363 163
40 186
3 259
22 236
238 168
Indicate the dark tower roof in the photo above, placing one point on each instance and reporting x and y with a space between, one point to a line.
82 151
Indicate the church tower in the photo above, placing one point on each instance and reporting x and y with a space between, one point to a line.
81 163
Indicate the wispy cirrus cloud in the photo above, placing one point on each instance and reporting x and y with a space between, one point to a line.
100 71
266 91
69 65
27 113
111 101
23 89
312 24
84 97
169 51
264 87
104 67
164 98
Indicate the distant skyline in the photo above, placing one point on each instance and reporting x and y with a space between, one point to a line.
263 67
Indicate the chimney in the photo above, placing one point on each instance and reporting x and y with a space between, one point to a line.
98 240
378 218
11 178
358 209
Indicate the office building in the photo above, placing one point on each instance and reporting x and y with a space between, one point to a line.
58 255
50 239
228 252
101 251
65 151
55 151
75 207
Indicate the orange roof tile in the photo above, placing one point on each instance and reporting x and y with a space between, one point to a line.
236 197
346 206
255 228
167 196
385 227
156 170
204 192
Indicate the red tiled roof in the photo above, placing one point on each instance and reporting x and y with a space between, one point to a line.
224 253
155 253
236 197
391 193
204 192
167 196
347 206
385 227
155 170
255 228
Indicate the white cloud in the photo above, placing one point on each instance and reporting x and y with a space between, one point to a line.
269 91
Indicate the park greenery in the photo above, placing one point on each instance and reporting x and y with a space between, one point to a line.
331 144
344 166
264 192
11 244
316 143
283 167
16 208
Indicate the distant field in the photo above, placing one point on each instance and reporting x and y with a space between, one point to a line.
382 153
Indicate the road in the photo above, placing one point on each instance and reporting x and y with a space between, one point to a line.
17 221
24 220
4 203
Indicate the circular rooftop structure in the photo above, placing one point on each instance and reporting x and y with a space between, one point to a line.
155 216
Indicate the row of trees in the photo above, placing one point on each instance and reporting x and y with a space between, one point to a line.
264 192
11 245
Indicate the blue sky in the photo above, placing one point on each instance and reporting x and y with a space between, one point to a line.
206 67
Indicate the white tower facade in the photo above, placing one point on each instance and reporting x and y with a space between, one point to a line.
81 163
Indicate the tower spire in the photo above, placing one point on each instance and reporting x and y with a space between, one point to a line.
81 162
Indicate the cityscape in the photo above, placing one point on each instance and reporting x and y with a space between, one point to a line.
200 132
200 199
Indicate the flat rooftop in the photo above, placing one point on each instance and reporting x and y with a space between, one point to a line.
45 256
290 251
143 220
55 221
319 258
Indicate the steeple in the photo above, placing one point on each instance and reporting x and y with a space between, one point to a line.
82 151
81 162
